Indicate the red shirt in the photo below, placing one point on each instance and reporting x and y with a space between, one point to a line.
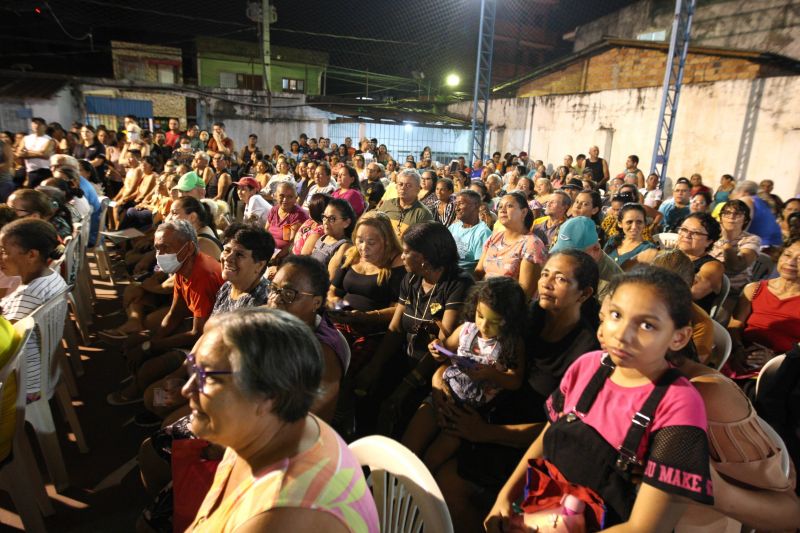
199 290
172 138
212 145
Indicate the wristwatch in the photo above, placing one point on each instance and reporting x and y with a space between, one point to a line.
146 346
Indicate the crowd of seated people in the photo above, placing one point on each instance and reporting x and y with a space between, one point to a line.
504 320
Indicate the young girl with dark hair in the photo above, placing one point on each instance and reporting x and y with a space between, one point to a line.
486 358
624 426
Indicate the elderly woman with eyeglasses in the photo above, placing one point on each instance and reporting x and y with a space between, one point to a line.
736 248
255 374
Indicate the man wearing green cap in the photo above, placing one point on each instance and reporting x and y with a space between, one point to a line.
580 233
191 184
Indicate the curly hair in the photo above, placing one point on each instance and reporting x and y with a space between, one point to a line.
505 297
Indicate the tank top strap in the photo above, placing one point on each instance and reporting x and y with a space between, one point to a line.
762 286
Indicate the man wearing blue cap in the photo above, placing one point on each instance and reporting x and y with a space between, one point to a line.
580 233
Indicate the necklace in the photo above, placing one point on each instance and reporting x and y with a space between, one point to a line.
427 307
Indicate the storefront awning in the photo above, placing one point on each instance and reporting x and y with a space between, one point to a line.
103 105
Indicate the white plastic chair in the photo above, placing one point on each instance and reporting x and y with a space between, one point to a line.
99 250
79 300
49 318
666 240
721 297
407 496
20 476
768 372
723 344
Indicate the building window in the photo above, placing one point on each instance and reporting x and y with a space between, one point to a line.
227 80
132 69
166 74
659 35
290 85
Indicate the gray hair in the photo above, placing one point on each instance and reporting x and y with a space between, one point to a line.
493 177
204 156
274 355
564 197
748 187
410 173
183 228
64 160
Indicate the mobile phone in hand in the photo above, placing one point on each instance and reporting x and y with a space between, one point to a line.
444 351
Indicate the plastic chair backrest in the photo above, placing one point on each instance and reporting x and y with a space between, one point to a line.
17 363
762 267
768 372
407 496
721 297
666 240
58 265
50 318
72 258
772 434
104 201
722 344
347 351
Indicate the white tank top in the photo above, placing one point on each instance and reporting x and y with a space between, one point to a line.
34 143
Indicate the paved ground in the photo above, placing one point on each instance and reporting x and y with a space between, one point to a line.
105 492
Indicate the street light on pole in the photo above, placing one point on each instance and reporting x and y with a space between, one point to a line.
452 80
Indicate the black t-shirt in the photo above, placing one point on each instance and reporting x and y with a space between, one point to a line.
547 362
422 309
88 152
363 293
373 191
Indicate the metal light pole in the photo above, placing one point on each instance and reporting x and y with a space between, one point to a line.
483 80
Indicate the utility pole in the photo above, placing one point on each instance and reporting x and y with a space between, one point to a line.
266 19
483 80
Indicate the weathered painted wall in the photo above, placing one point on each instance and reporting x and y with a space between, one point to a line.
710 135
764 25
627 67
289 117
210 70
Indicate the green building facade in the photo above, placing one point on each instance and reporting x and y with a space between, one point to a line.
237 65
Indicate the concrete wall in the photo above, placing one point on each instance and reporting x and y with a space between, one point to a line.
715 133
288 119
764 25
62 108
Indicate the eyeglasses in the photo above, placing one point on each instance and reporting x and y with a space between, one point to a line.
287 295
732 214
329 218
686 232
199 374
